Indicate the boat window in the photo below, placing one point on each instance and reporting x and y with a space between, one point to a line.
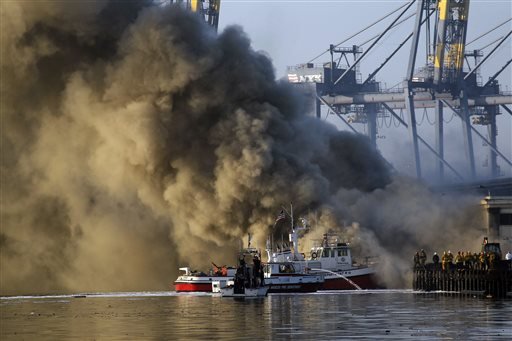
325 253
342 252
286 268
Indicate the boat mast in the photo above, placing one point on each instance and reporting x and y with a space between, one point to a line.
293 235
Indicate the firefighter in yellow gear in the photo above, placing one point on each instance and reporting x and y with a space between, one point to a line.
483 260
444 261
459 260
492 260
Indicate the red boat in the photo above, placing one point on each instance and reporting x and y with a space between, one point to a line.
332 260
279 277
200 281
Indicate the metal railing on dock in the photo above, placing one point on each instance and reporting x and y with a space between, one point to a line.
495 282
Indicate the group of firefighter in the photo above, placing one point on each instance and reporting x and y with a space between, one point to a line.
462 260
248 276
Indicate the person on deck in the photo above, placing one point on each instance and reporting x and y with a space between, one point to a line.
256 269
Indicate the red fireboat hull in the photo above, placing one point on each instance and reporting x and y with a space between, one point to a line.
366 281
193 287
274 288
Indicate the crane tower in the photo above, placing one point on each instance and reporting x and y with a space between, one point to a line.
208 9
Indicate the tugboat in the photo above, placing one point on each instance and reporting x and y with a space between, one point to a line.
331 259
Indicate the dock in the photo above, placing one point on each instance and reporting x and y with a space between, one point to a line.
494 282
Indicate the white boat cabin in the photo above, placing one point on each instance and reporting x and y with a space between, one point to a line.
329 254
332 256
278 269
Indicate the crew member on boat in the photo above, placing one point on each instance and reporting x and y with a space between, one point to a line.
257 271
240 280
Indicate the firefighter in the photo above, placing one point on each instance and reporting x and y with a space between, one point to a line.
447 260
459 260
444 261
483 260
416 260
450 257
475 261
467 258
256 271
492 260
435 259
423 257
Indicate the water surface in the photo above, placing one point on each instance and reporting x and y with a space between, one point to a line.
382 314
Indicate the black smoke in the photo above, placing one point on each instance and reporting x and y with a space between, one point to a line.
136 140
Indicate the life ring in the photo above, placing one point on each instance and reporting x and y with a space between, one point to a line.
342 259
313 255
303 255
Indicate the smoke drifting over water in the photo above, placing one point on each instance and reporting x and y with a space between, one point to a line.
136 140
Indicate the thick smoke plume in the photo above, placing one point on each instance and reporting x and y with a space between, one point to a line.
136 140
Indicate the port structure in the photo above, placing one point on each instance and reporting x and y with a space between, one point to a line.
209 10
442 83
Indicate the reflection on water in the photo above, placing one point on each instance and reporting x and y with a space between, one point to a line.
327 315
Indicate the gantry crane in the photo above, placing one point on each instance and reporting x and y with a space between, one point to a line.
451 28
208 9
440 82
444 77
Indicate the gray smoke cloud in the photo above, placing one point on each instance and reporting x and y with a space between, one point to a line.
136 140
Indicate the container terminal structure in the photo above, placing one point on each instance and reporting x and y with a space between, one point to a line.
446 82
209 10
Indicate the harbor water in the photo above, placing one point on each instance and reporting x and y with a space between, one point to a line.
376 315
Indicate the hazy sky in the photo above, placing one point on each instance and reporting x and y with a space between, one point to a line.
294 32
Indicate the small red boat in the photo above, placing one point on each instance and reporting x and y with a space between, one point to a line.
200 281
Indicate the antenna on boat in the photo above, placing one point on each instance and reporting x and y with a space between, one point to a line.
291 215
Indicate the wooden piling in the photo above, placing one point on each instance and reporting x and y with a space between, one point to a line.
495 282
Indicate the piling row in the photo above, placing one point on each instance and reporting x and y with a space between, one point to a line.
492 282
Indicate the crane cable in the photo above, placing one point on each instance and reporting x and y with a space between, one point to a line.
359 32
486 33
451 118
492 43
395 25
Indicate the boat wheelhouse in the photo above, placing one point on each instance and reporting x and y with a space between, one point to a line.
282 277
